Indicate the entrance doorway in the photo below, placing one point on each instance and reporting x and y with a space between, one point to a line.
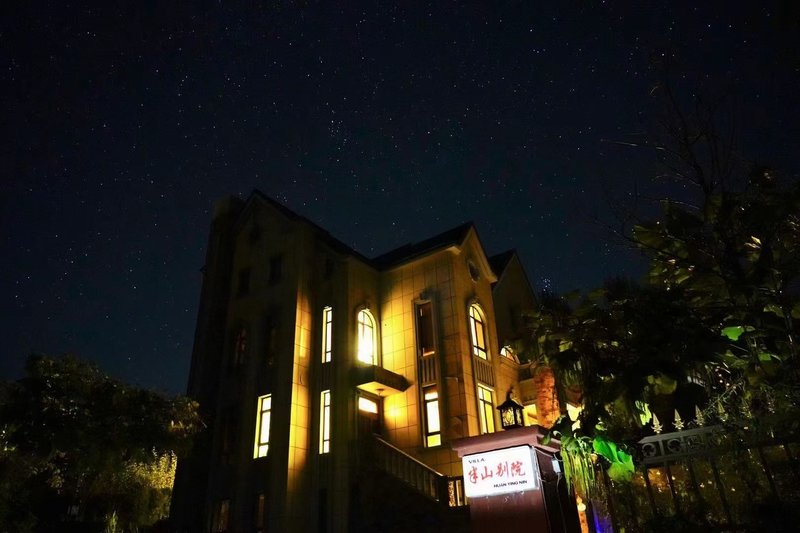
369 414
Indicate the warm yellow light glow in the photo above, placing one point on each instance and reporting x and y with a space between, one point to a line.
366 337
367 405
486 411
584 523
327 330
433 435
262 426
325 422
477 327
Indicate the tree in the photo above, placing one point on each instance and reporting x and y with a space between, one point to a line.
618 352
736 262
720 302
79 445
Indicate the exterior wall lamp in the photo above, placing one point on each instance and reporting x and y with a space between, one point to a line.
511 413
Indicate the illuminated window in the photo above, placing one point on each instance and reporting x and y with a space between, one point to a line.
367 405
366 337
433 431
508 351
327 328
325 422
222 516
425 343
486 409
262 426
477 328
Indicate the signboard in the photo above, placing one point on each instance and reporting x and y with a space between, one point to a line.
501 471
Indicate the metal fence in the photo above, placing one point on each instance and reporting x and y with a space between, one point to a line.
708 478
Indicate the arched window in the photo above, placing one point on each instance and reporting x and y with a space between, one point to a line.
477 329
366 337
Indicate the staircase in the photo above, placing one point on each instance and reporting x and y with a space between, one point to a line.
397 493
446 490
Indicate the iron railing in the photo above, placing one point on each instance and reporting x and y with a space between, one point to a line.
419 476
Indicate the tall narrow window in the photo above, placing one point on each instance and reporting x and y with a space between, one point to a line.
262 426
477 327
222 516
433 431
366 337
485 409
240 347
325 422
261 511
425 343
327 330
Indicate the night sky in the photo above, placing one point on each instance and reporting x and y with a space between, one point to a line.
385 125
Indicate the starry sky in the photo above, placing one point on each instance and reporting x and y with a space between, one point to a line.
384 123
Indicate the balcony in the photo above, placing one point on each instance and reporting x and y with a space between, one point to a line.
377 380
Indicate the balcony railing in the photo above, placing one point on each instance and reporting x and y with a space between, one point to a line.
424 479
483 371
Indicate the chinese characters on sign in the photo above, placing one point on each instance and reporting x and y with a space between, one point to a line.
500 471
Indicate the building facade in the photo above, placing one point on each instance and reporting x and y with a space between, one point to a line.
332 383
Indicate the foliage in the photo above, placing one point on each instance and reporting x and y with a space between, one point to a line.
620 462
721 301
72 437
736 263
579 454
622 347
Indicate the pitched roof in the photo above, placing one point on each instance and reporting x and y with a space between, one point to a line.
332 241
500 261
453 236
409 251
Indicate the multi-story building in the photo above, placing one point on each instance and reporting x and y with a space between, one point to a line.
332 383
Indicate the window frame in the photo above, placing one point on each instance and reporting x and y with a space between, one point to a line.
430 398
426 327
486 409
241 344
362 326
261 447
327 334
325 422
261 512
222 519
477 324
